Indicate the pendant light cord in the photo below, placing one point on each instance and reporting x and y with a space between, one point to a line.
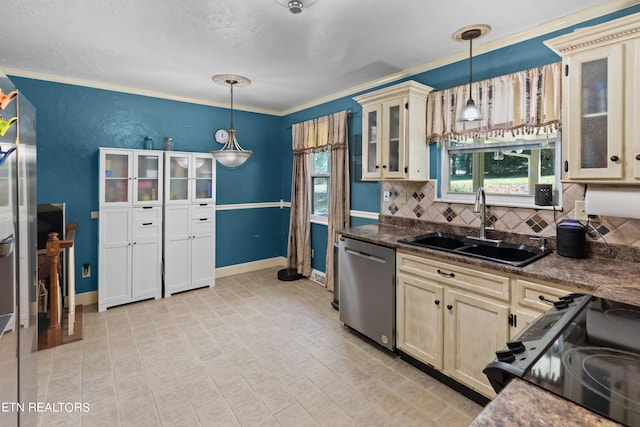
231 83
470 65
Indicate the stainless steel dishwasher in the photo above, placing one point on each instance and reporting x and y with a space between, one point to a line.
367 290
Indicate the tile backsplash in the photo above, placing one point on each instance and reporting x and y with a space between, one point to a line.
415 200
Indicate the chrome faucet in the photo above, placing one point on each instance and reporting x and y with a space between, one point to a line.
481 199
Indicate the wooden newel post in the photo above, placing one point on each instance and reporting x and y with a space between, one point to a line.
53 253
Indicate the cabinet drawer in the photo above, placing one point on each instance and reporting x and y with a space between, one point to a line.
528 293
202 227
147 214
147 230
472 279
202 211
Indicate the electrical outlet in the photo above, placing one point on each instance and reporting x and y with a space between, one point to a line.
387 196
579 213
86 271
95 214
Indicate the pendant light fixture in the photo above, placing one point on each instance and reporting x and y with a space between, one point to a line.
231 155
296 6
470 112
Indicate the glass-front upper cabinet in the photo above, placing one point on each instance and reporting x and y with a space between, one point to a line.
394 133
595 113
147 178
115 177
203 181
177 166
190 178
601 101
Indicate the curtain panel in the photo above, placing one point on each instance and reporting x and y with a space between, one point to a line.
324 133
528 101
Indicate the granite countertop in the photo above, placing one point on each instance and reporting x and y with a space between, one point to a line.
616 277
604 277
523 404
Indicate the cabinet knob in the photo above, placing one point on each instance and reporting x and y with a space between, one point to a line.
449 307
377 167
637 156
384 166
615 158
437 302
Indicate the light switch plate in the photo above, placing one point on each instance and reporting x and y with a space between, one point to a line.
579 213
386 196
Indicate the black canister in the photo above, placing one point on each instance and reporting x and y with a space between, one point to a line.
571 238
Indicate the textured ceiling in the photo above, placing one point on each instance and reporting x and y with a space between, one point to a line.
173 47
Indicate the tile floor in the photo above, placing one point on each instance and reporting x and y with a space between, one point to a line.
253 351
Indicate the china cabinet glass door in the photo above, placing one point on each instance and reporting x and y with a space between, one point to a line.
371 161
117 178
393 155
596 106
203 178
179 165
147 185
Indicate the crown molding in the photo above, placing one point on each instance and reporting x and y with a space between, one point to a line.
551 26
131 90
540 30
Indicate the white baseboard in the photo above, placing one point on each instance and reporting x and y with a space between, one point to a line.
88 298
247 267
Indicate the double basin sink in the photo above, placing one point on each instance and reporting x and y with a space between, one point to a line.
491 250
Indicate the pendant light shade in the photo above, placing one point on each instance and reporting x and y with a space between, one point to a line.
470 112
231 155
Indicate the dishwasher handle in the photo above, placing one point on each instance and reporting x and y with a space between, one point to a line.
364 255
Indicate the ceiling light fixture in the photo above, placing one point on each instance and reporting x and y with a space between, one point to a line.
231 155
296 6
470 112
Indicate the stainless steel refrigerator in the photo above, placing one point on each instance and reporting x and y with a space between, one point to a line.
18 262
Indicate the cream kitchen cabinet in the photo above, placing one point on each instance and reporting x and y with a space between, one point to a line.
601 101
130 254
531 299
394 145
451 317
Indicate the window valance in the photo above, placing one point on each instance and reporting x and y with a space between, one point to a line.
323 133
528 101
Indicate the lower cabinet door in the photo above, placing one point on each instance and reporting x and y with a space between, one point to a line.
177 265
202 264
419 319
115 276
474 328
147 276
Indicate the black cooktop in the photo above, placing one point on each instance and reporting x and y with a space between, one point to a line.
595 361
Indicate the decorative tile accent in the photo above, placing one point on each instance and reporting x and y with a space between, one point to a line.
449 214
421 205
537 223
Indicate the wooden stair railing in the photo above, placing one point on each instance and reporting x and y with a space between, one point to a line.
54 244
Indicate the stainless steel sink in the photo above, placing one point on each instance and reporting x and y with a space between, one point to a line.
505 253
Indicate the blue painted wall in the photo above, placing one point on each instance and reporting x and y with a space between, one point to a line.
74 121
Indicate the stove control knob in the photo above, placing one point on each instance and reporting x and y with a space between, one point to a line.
561 305
516 347
505 356
567 298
